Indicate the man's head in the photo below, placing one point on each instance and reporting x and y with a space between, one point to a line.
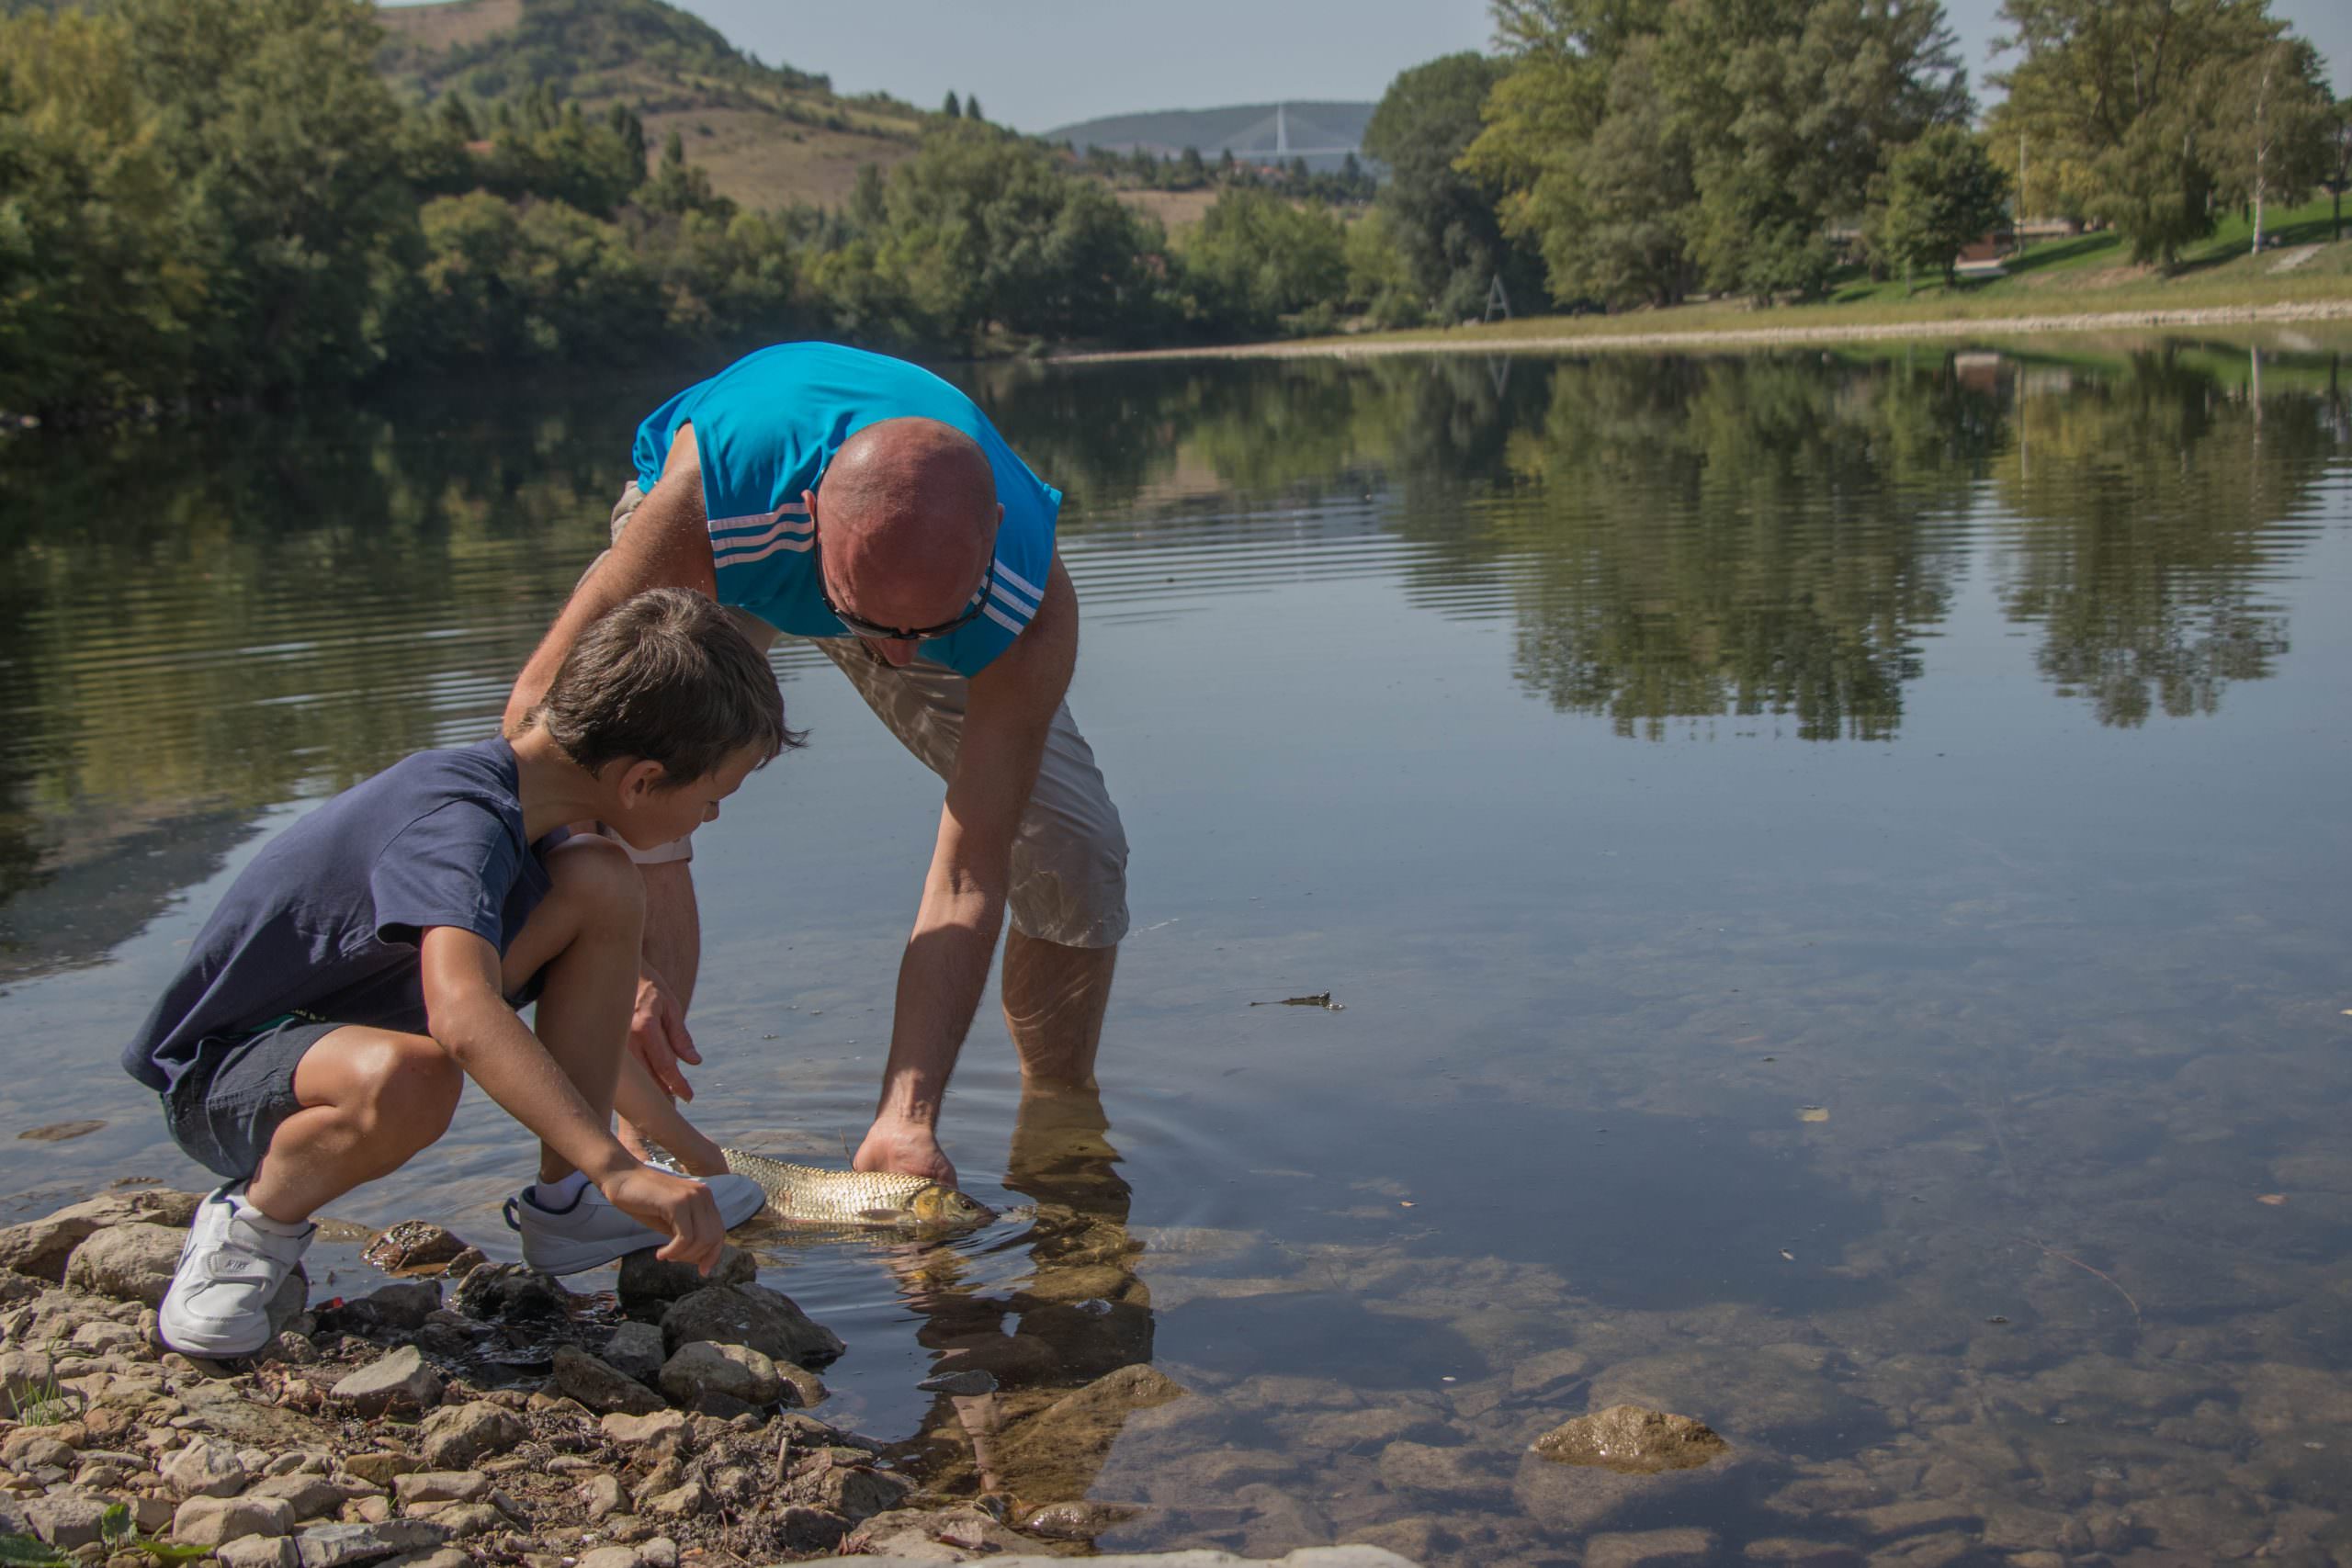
906 528
666 703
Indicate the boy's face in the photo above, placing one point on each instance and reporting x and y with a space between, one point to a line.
649 816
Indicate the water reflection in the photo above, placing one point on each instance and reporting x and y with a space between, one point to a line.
195 627
1078 1312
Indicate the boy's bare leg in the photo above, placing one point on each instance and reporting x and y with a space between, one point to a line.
371 1101
583 940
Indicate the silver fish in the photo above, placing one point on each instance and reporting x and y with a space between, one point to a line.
805 1194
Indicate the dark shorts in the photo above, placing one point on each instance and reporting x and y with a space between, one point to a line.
223 1110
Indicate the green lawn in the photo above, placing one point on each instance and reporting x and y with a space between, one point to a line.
2089 275
2103 261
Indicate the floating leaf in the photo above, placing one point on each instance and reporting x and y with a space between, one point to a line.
1813 1113
1787 1256
2273 1198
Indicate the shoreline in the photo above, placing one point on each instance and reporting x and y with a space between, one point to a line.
1462 341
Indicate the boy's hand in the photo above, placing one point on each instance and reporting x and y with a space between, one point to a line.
657 1032
665 1203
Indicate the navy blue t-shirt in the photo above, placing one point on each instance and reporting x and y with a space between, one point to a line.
330 917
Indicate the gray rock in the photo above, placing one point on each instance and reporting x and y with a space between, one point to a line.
508 1292
922 1550
378 1468
753 1316
903 1534
455 1438
1077 1521
26 1377
635 1350
446 1557
394 1310
413 1247
310 1496
682 1502
634 1431
649 1284
602 1388
210 1522
1633 1441
610 1557
30 1447
335 1546
601 1495
102 1338
40 1248
400 1380
259 1552
440 1486
1408 1467
66 1519
131 1262
465 1520
206 1468
732 1372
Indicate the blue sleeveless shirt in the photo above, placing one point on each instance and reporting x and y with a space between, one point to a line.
766 428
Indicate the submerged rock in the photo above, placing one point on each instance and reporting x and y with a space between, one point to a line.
649 1284
753 1316
413 1247
1633 1441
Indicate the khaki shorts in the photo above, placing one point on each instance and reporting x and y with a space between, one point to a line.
1070 863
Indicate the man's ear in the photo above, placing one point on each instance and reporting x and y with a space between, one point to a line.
639 778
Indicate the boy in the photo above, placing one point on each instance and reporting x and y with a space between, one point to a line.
372 958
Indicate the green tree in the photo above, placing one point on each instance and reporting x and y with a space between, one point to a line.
1645 147
99 301
953 108
275 120
1256 257
1940 194
972 108
1444 219
2141 96
2275 136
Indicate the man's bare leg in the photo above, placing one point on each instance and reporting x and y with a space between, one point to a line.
1054 1001
674 951
672 927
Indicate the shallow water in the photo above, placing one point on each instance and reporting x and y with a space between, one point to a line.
1836 867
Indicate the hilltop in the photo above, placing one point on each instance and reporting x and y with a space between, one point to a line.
768 134
1323 133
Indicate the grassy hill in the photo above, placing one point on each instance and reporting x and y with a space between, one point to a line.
768 134
1252 132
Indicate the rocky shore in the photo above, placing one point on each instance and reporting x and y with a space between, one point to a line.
477 1412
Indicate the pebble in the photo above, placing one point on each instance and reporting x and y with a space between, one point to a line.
259 1552
210 1522
401 1381
456 1437
334 1546
206 1468
440 1486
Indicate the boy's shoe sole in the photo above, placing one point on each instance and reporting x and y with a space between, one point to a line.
600 1234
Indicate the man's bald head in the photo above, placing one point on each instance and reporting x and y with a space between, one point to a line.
907 513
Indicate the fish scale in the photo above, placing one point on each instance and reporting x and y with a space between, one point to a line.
811 1195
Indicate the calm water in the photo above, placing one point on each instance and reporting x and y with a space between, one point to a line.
1837 867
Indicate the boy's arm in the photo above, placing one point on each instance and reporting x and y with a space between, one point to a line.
469 1018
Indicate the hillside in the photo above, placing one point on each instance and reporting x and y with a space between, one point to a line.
768 134
1323 133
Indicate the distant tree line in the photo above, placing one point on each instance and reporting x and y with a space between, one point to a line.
207 201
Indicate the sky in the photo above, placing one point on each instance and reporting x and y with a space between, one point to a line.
1037 64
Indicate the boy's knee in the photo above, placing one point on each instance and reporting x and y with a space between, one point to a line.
413 1086
597 876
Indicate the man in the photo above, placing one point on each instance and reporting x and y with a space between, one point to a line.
825 492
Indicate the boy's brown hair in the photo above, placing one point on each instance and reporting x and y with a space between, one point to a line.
666 677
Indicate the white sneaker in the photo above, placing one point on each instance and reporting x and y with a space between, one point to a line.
233 1261
590 1232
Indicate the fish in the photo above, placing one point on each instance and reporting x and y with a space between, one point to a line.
807 1195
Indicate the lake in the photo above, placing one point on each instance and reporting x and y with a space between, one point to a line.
1835 867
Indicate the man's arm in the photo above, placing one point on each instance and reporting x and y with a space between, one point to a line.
470 1020
1010 714
666 544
